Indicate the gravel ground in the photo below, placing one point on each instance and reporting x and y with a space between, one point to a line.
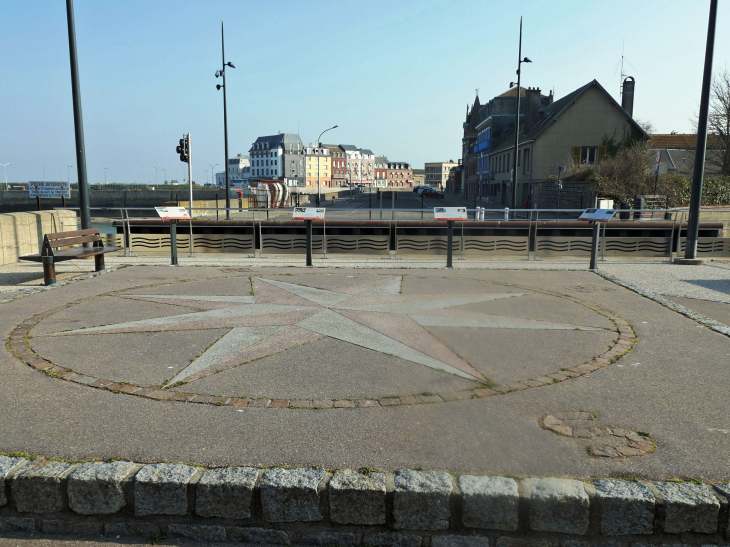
709 282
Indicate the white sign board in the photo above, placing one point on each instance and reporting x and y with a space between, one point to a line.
308 213
173 213
597 215
449 213
49 189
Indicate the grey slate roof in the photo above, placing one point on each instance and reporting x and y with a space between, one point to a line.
553 111
367 151
349 147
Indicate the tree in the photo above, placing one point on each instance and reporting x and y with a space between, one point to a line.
718 125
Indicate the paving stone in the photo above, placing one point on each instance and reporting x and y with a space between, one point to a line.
519 542
421 500
39 487
291 495
489 502
558 505
391 539
98 488
162 489
197 532
226 492
627 507
355 498
343 404
328 539
410 400
7 466
689 507
459 541
132 528
25 525
71 527
279 403
322 404
259 536
389 401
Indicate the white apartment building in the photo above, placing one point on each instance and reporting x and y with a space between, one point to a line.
239 169
437 173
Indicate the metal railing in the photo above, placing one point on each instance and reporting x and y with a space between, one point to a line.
399 233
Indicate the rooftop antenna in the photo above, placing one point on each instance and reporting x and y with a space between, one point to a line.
623 72
477 90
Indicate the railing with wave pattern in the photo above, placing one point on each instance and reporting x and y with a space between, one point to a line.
715 246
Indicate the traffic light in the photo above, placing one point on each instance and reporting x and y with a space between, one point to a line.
183 149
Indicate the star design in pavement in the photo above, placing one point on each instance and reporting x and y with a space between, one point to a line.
283 315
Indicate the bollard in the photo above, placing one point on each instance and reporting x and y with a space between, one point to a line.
449 242
506 213
309 242
49 270
594 245
173 242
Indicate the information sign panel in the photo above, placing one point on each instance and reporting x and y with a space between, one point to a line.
308 213
173 213
449 213
49 189
597 215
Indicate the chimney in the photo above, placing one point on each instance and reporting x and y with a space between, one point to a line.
532 108
627 99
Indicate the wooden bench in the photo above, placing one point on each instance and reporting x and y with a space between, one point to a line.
53 251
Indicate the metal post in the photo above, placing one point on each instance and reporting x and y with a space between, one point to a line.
693 228
449 242
78 121
190 186
309 242
173 242
517 122
594 246
421 205
225 128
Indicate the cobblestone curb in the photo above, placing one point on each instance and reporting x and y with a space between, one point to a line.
624 340
666 302
310 506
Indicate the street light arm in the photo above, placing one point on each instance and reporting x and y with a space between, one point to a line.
325 131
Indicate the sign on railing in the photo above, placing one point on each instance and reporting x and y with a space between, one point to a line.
597 215
308 213
449 213
49 189
173 213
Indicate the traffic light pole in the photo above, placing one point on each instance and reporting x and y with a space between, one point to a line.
190 184
225 128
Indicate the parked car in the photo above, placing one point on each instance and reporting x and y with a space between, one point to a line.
430 193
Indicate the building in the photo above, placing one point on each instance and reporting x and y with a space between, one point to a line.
400 174
239 170
279 157
338 161
381 170
419 177
437 173
360 165
677 154
318 166
572 130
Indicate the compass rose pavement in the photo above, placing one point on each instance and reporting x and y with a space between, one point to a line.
279 316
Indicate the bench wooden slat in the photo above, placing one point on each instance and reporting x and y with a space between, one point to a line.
61 235
70 254
56 243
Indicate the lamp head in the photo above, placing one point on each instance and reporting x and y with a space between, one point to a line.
217 73
218 87
526 60
512 84
230 64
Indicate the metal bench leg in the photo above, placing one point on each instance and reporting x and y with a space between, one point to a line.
98 263
49 270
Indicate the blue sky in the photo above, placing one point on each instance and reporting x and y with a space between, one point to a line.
395 76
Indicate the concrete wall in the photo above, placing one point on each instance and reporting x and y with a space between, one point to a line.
22 233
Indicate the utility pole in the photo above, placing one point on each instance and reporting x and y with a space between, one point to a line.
520 60
190 177
690 251
78 120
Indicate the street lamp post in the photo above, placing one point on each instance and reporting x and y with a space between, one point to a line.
212 176
105 169
520 60
319 145
68 173
5 167
222 72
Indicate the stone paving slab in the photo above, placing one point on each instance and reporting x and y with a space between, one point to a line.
655 388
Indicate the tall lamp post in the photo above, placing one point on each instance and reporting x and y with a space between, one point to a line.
520 60
222 73
212 177
5 167
693 226
319 145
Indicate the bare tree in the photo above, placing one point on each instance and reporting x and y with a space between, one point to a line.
718 125
646 125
